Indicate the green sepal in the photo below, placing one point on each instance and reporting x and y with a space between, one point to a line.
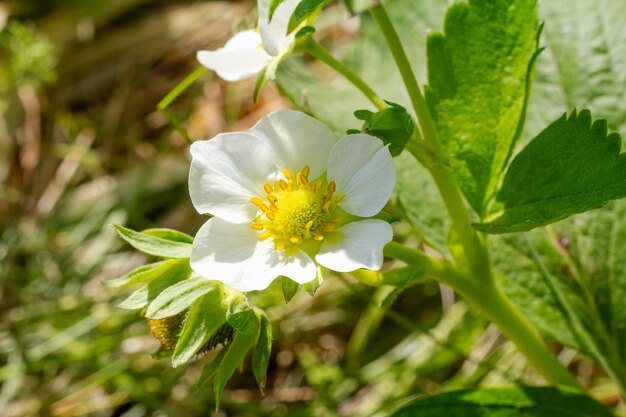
153 245
262 351
169 234
141 274
243 341
205 318
211 368
312 286
307 8
394 126
179 297
289 288
179 271
239 313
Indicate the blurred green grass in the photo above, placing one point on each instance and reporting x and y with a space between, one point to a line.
83 146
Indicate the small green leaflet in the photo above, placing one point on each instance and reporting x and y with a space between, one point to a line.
179 297
307 7
394 126
571 167
506 402
477 92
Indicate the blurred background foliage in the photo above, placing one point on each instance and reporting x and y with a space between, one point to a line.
83 146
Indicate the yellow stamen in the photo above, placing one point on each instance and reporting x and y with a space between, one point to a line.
257 226
319 238
265 235
280 245
327 205
339 198
287 173
272 199
308 225
268 188
279 228
338 220
282 184
295 239
332 187
264 208
270 215
306 171
273 208
329 228
256 201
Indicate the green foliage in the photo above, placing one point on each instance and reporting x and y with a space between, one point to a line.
307 8
394 126
477 88
506 402
156 244
571 167
261 358
358 6
289 288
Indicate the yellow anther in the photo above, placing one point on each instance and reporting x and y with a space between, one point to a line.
264 208
270 215
279 228
339 198
280 245
256 201
257 226
290 187
268 188
308 225
282 184
272 199
294 239
306 171
338 220
329 228
319 238
302 187
287 173
273 208
302 179
265 235
327 205
332 187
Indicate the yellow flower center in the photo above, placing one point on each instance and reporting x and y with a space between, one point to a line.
295 210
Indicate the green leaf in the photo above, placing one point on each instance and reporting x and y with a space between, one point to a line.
169 234
289 288
394 126
211 368
571 167
143 296
263 349
153 245
141 274
206 316
234 356
477 88
507 402
179 297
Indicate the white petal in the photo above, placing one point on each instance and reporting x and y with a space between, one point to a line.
226 172
363 169
241 57
297 139
232 253
274 32
356 245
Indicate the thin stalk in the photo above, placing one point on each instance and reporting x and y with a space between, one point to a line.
494 304
308 45
436 164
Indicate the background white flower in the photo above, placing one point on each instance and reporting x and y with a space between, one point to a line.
286 193
247 53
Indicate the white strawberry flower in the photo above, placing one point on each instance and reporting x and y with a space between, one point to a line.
285 196
248 52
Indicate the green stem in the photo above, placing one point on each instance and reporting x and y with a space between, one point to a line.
308 45
494 304
435 161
